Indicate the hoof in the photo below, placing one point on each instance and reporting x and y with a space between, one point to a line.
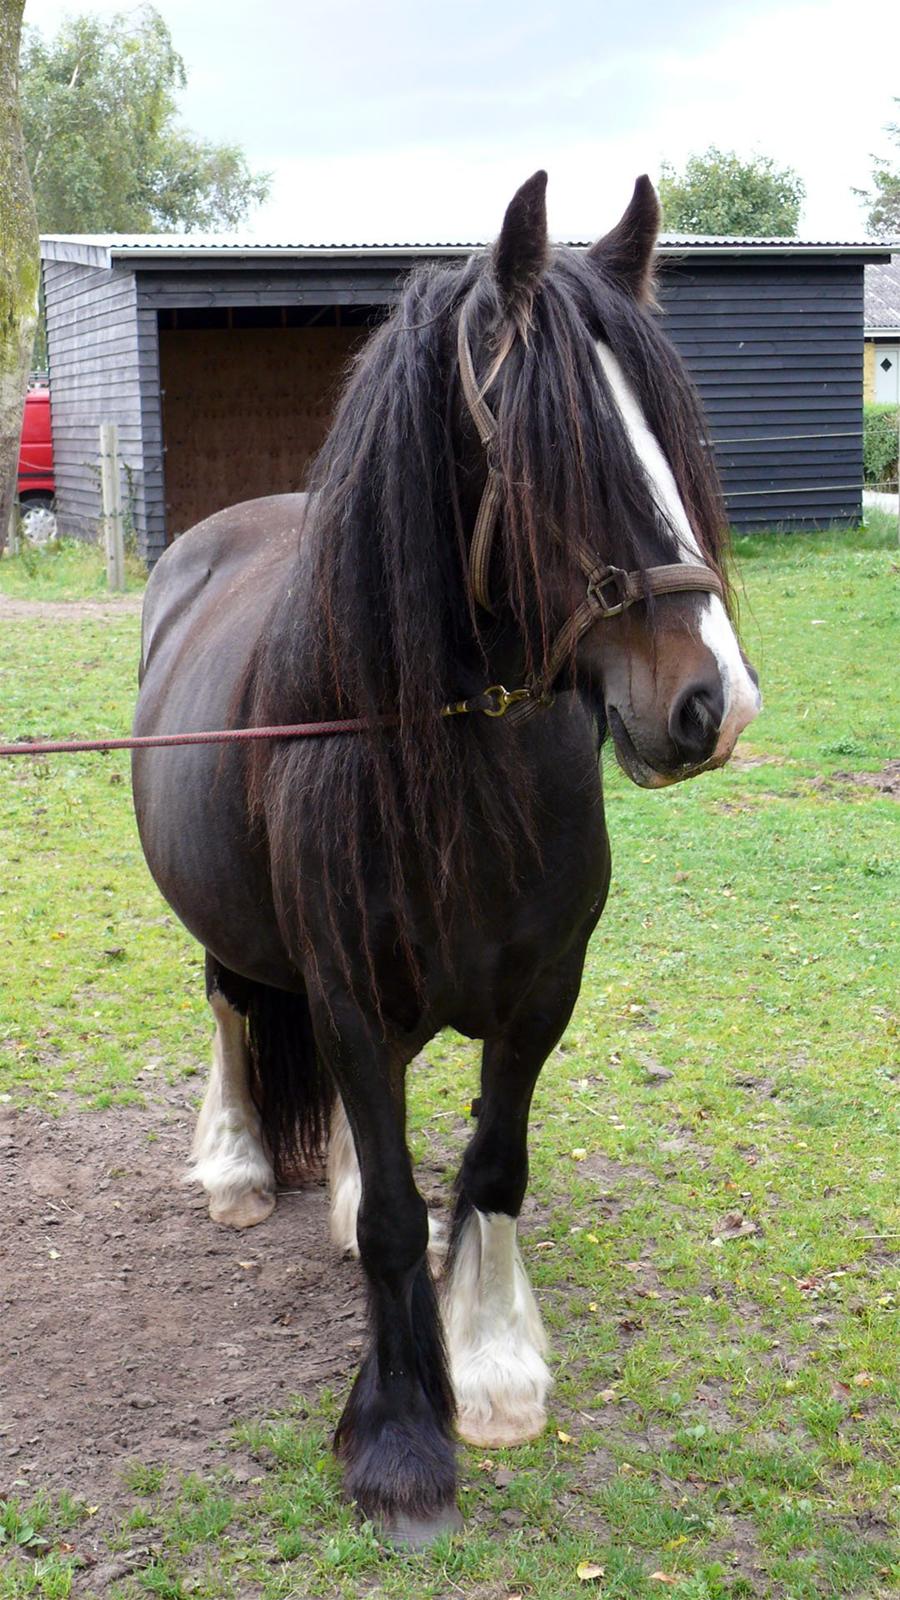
245 1210
494 1431
414 1533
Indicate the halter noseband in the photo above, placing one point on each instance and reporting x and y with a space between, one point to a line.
610 590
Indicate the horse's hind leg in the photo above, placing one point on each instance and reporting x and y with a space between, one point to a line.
495 1339
229 1156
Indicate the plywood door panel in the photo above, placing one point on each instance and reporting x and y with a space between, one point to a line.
244 411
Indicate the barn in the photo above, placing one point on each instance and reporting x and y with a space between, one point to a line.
220 359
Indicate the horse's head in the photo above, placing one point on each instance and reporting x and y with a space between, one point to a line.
613 541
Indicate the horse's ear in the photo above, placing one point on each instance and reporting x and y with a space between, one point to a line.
521 252
625 254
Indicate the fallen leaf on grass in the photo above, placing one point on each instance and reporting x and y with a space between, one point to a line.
589 1571
655 1072
675 1544
563 1437
736 1226
580 1154
663 1577
607 1395
862 1380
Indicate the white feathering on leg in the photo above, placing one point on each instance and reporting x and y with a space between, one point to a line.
228 1157
495 1338
344 1183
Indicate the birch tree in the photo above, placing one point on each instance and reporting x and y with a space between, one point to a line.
19 261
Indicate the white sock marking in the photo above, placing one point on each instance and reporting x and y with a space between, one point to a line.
228 1157
495 1338
344 1183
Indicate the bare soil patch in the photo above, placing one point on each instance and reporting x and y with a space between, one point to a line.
134 1328
885 782
16 610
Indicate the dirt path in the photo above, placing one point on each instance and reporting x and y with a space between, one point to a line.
132 1327
12 609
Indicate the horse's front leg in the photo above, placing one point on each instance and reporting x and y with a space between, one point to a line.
495 1338
345 1192
394 1437
229 1157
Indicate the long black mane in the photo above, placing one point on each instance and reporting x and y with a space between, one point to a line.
379 617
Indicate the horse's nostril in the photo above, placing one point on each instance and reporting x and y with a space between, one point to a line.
695 720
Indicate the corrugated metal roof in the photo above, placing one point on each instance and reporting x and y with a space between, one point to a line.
882 297
123 246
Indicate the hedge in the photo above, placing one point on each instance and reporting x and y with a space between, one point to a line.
880 424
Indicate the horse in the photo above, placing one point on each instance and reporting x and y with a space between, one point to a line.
515 491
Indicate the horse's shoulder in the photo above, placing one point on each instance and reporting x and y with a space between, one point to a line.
242 549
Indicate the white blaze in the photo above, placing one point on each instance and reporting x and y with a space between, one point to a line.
742 698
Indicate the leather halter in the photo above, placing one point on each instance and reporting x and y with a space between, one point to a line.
610 590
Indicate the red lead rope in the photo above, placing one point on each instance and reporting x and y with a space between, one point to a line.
292 730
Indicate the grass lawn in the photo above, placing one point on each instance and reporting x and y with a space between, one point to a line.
64 570
714 1155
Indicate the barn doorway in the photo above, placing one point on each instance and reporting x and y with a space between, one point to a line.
248 393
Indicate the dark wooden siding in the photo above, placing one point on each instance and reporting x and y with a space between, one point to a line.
775 348
93 353
776 352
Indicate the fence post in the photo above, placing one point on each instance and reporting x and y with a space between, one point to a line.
110 488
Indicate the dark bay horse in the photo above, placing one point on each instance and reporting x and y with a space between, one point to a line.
515 491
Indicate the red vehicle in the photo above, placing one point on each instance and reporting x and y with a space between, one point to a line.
35 485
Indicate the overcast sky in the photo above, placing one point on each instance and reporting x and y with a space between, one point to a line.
414 120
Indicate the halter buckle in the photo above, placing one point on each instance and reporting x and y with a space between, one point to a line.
600 580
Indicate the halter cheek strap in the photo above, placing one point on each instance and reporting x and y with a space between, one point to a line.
610 590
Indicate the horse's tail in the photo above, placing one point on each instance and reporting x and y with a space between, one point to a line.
289 1082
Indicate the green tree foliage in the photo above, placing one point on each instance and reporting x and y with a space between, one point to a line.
882 201
718 193
107 154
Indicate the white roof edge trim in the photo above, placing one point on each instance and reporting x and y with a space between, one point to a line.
103 251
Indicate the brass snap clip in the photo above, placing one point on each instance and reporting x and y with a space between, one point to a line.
501 699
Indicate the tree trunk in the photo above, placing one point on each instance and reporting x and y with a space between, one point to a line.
19 261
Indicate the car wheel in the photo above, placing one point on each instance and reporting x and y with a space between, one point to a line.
37 520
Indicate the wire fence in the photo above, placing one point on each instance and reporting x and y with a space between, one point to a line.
886 488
